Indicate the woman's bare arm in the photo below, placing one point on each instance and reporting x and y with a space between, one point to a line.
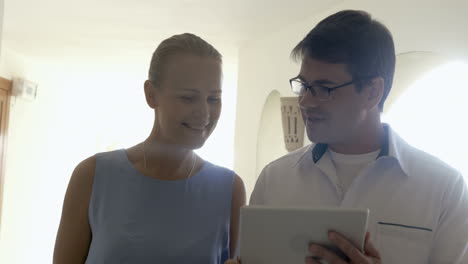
238 200
74 233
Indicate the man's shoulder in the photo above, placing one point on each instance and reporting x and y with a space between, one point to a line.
425 165
278 174
419 164
291 159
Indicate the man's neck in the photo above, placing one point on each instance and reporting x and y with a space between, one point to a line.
366 140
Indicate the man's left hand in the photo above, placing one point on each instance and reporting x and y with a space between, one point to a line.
369 256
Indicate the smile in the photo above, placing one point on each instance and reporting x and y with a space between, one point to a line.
195 127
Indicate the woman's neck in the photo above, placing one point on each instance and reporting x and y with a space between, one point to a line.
167 160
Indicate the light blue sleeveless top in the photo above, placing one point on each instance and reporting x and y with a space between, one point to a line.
138 219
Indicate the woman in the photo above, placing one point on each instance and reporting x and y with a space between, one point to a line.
158 202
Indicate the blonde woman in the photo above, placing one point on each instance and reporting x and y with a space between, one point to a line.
158 202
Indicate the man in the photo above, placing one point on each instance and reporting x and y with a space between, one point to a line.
418 205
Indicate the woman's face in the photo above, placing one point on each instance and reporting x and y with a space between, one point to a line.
187 100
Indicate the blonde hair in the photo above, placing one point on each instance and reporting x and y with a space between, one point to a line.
186 43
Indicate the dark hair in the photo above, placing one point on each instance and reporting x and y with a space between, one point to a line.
186 43
357 40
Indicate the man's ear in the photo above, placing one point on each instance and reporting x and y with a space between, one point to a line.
375 92
150 94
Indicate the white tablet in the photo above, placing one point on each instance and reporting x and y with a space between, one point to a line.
270 235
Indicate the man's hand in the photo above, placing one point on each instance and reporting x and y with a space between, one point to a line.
369 256
233 261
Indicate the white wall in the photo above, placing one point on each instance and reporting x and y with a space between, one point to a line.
47 138
264 63
1 23
2 5
1 37
16 200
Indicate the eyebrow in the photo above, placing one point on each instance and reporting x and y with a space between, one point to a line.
322 81
216 91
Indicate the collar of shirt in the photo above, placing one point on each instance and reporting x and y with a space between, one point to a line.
393 147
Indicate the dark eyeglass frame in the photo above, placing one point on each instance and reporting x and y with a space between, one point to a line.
310 87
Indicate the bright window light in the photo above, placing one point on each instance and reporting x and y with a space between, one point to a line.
431 114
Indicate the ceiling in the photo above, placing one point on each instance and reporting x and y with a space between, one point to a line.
54 28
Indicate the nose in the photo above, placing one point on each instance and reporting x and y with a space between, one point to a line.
308 100
201 110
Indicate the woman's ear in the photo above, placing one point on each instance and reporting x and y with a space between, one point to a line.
375 93
150 94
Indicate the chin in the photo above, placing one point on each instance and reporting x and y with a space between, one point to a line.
318 136
195 144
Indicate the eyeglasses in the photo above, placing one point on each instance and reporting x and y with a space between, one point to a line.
322 93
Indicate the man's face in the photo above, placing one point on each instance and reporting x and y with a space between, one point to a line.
337 119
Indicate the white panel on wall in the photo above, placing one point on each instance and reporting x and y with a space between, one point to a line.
270 144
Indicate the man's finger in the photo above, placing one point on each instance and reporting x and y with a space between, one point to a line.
369 247
347 247
327 255
311 260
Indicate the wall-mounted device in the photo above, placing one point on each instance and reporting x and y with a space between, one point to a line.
23 88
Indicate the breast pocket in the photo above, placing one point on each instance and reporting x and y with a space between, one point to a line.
398 243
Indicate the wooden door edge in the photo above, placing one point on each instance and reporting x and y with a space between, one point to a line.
5 85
